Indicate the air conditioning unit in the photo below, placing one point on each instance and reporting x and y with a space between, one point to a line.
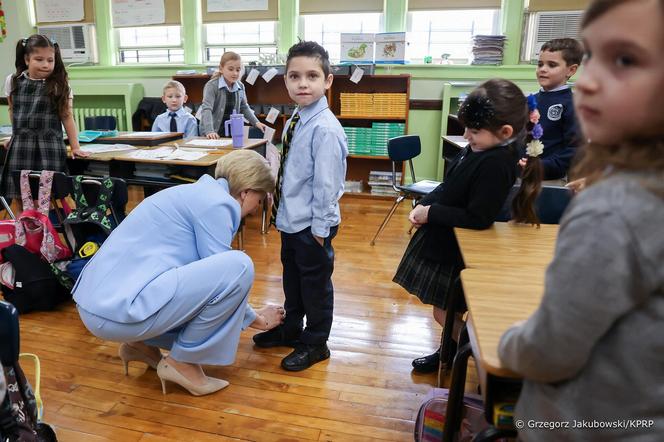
77 43
544 26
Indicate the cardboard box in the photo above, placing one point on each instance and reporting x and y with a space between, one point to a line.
390 48
357 48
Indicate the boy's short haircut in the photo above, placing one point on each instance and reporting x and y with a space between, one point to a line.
572 50
310 49
172 84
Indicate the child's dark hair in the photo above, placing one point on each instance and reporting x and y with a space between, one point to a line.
571 49
57 84
493 104
310 49
523 204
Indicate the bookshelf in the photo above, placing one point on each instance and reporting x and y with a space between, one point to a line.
367 126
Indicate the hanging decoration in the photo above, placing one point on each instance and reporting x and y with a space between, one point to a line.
3 24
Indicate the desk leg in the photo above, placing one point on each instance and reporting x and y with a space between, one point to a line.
446 354
264 220
454 413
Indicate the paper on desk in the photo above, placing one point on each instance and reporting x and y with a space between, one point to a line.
101 148
151 154
269 133
357 75
269 74
142 134
272 115
209 143
252 76
185 155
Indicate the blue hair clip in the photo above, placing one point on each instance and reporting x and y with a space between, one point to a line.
532 102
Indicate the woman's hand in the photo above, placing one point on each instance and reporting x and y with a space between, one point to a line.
78 153
212 136
268 317
419 215
261 126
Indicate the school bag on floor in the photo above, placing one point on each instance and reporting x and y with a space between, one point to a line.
21 410
34 229
430 423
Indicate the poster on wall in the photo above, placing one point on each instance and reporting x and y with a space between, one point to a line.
3 24
138 12
58 10
236 5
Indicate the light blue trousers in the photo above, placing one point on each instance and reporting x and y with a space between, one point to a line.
201 324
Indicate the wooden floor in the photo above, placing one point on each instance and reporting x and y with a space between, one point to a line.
366 391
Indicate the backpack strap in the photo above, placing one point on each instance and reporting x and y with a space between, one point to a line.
45 187
96 214
26 194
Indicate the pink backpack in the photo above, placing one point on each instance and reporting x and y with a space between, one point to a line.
34 230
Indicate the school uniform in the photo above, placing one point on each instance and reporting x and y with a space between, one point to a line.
471 197
592 353
561 131
312 184
219 102
37 142
185 122
167 275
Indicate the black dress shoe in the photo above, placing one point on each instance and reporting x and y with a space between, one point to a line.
304 356
427 364
274 338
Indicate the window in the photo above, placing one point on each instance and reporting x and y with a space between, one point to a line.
326 28
450 32
249 39
150 44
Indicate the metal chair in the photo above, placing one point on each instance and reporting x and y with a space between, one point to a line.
400 149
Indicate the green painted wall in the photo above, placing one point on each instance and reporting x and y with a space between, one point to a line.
429 82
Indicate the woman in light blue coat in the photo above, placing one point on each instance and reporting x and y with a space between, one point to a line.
167 277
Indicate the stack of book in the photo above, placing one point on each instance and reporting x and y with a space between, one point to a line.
378 105
488 49
380 182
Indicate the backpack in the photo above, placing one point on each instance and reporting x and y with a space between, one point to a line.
36 285
21 408
430 422
34 229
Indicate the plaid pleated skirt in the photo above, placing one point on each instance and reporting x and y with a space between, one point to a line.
430 281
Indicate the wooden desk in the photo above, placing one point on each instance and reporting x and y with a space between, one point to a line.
507 245
140 138
458 140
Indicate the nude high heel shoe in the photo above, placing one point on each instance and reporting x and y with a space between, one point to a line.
167 372
128 353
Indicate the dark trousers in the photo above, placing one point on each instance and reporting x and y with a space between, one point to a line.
307 284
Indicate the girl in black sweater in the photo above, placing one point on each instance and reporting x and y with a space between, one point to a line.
495 115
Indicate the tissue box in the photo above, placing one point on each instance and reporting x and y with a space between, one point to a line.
357 48
390 48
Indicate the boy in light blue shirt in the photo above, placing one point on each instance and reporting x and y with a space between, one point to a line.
306 209
176 118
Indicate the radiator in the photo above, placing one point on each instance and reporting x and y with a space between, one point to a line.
81 112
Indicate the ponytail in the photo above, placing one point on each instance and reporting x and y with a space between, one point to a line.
523 204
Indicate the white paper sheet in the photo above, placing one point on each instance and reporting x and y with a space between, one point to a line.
272 115
185 155
252 76
143 134
101 148
357 75
151 154
59 10
138 12
269 134
209 143
269 74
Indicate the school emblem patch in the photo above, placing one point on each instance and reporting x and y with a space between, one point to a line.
555 112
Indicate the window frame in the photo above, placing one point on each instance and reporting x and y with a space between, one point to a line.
206 46
120 49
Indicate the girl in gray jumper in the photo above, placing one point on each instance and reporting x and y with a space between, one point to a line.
222 95
592 355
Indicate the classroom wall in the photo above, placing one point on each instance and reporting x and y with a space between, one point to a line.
427 82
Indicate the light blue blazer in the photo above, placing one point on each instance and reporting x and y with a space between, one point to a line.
172 228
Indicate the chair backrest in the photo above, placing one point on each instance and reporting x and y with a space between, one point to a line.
549 206
102 122
255 132
59 190
403 148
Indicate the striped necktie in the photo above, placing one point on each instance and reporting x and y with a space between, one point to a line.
284 152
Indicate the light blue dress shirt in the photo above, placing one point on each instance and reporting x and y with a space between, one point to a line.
175 227
314 172
186 122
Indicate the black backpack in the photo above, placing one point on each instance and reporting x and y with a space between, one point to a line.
36 286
